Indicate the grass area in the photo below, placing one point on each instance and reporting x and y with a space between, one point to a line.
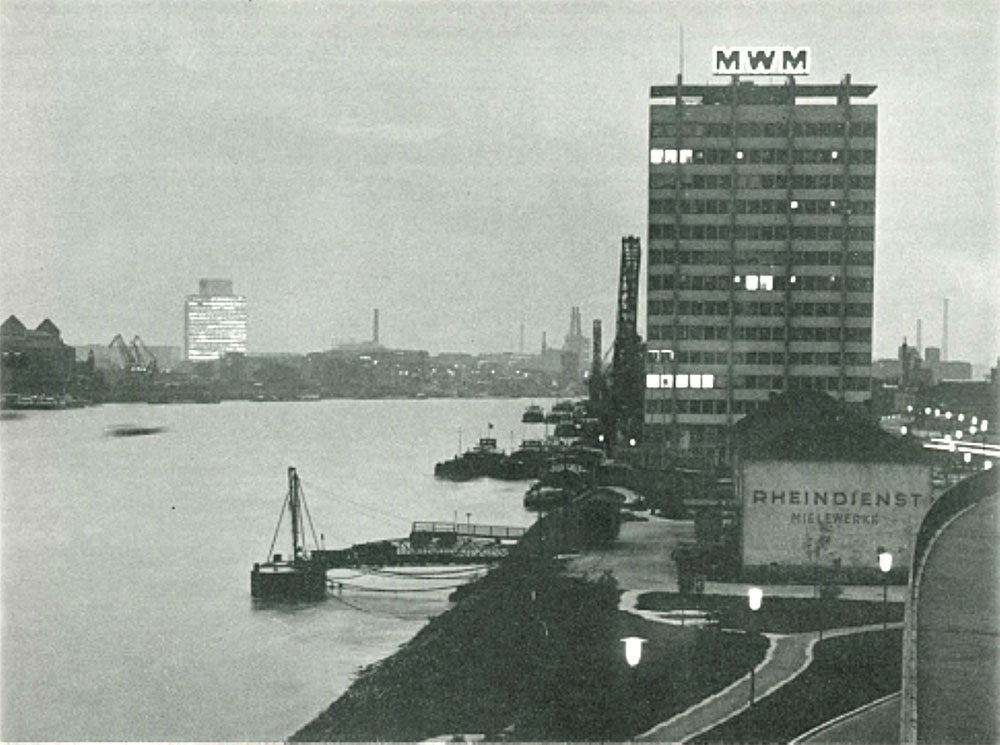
847 672
779 615
532 654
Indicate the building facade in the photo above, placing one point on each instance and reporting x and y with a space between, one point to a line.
761 253
215 321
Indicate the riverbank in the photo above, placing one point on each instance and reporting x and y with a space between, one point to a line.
534 652
531 653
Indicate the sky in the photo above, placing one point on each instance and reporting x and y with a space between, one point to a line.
465 167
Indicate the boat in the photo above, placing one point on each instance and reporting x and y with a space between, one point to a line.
485 459
298 577
132 430
534 414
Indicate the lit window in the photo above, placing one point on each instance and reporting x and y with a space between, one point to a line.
752 282
695 381
793 279
833 204
656 156
736 279
795 204
669 156
708 380
686 156
834 155
739 155
652 381
682 380
766 282
667 381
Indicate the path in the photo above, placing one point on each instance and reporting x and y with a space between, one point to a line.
787 656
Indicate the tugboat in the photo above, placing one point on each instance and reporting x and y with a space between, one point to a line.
485 459
299 577
534 414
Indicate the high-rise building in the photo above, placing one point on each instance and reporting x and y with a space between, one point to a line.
761 253
215 321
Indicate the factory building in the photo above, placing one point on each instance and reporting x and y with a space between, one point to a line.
215 321
822 490
761 254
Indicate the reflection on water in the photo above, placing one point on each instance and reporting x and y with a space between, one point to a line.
126 560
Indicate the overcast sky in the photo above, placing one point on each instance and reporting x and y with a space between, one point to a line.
464 167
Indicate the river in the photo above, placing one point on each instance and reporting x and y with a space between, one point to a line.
126 560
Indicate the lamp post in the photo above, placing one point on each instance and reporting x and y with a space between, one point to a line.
633 649
754 597
885 564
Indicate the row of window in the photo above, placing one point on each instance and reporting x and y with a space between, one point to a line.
668 179
770 282
761 206
710 232
722 308
669 332
721 357
681 380
769 258
666 156
763 129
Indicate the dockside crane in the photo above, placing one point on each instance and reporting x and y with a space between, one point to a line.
627 373
132 358
143 356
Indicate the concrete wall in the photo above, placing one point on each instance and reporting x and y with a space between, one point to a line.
821 514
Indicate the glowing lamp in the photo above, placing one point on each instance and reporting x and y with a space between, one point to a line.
633 649
631 441
754 596
903 430
884 560
967 457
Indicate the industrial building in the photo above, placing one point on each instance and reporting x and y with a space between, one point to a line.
215 321
822 490
761 254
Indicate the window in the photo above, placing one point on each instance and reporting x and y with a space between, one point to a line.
652 380
682 380
656 156
685 156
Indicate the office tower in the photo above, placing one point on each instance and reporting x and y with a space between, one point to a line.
215 321
761 253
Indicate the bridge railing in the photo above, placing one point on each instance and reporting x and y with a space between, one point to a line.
467 529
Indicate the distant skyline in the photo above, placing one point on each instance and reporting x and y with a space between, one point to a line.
465 167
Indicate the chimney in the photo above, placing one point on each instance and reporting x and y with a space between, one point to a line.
944 333
545 346
375 327
520 347
920 345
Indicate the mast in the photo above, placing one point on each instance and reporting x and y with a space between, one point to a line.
293 503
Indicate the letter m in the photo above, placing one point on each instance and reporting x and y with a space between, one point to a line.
795 60
761 57
726 59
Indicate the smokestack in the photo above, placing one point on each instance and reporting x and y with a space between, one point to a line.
596 349
944 333
520 347
375 327
920 344
544 344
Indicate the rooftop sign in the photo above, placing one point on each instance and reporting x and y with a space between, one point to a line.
760 60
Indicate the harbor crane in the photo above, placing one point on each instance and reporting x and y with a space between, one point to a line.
134 359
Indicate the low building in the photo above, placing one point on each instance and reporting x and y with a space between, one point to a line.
822 490
34 362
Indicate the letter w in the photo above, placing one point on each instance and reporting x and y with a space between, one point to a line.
759 58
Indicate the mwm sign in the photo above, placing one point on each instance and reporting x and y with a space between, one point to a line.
760 60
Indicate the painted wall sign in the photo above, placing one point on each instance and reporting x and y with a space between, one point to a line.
760 60
822 513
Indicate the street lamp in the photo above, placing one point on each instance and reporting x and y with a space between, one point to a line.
633 649
885 564
754 597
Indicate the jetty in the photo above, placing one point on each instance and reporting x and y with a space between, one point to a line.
429 543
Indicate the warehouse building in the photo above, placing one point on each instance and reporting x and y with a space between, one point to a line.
822 490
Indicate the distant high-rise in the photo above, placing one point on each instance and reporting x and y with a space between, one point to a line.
761 252
215 321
